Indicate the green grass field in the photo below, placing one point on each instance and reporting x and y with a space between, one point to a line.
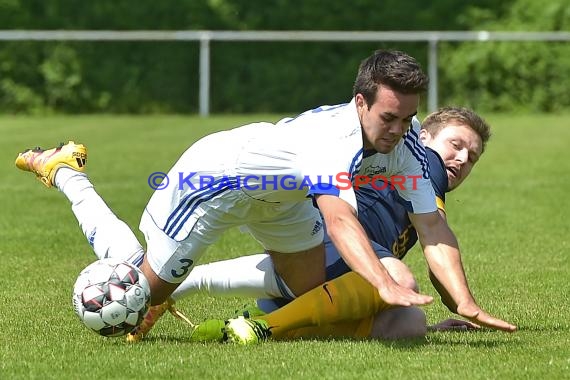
511 218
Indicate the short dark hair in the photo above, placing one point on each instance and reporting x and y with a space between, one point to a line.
392 68
436 121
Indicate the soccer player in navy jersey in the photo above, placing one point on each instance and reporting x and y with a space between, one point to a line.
455 138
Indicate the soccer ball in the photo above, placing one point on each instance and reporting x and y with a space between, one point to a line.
111 297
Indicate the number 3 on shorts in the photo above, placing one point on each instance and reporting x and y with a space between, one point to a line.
186 264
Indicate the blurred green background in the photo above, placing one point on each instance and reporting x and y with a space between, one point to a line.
276 77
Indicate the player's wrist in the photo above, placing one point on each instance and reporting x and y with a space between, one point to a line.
383 281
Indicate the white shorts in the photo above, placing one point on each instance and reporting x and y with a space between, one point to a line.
180 225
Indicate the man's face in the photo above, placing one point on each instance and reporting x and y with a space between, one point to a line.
387 120
460 148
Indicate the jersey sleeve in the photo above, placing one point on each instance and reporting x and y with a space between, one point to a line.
417 194
438 175
331 150
333 175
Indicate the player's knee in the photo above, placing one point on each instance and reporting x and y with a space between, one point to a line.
400 273
400 323
300 284
411 284
408 281
301 271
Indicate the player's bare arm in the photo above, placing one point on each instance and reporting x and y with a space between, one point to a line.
444 260
349 237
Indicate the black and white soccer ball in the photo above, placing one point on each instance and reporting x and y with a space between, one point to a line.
111 297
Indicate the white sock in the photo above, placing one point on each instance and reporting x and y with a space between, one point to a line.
108 235
245 276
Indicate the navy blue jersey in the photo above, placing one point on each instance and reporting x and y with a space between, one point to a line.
384 217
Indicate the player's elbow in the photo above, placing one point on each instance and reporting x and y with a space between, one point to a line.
427 223
432 229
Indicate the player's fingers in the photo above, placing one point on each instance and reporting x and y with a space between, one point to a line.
473 326
394 298
502 325
487 320
482 318
419 299
425 300
470 326
460 322
405 297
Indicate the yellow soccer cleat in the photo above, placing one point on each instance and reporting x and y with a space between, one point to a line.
45 163
152 316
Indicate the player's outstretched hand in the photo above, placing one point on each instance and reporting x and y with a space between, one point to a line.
476 315
454 325
395 294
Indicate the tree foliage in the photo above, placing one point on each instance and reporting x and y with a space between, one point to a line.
141 77
507 76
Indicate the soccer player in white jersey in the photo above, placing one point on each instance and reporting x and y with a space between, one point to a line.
249 166
455 139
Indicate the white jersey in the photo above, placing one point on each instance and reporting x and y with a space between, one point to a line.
317 152
320 152
261 176
407 165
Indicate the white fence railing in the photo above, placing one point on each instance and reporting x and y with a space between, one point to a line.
205 36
